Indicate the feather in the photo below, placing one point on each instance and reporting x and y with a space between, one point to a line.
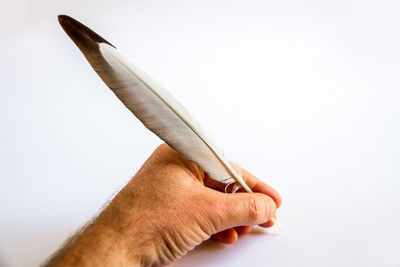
154 106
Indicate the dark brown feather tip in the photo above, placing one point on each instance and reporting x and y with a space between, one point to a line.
83 37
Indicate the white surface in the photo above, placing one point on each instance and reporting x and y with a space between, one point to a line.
305 94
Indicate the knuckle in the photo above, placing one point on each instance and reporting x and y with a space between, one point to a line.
259 209
162 147
255 208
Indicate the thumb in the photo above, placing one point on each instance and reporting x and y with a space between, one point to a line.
243 209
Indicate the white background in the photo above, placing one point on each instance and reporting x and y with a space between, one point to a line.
305 94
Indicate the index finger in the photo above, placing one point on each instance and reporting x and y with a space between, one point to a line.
256 185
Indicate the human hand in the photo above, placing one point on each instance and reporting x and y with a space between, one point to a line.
168 208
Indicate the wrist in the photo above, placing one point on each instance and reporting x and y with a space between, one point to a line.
134 241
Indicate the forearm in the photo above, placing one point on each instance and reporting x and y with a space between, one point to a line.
107 241
95 245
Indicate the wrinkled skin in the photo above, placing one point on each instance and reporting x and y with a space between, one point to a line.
168 208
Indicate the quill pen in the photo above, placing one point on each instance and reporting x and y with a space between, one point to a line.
154 106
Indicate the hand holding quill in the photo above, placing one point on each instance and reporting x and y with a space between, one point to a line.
155 107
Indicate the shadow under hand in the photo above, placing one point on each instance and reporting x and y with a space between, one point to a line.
211 250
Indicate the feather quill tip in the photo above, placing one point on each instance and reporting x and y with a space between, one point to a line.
275 222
